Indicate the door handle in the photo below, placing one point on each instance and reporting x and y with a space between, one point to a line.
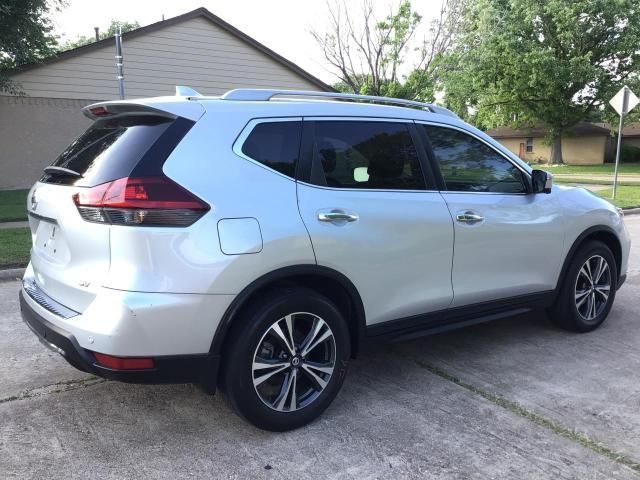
337 216
469 217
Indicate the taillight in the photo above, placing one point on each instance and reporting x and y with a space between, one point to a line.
150 201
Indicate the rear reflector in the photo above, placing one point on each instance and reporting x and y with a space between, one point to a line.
123 363
149 201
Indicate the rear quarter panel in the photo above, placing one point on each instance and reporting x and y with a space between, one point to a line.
190 260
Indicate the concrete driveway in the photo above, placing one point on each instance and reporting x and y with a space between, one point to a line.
513 399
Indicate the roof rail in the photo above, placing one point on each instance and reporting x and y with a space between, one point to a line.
257 95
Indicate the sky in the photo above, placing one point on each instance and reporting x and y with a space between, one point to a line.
282 25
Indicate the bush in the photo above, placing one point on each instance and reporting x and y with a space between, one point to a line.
629 154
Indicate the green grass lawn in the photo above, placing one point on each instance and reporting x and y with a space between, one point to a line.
605 169
626 197
15 244
592 181
13 205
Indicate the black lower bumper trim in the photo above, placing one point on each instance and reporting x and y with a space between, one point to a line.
168 369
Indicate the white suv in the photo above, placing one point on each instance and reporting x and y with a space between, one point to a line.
257 240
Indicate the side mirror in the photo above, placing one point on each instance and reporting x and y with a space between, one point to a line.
541 181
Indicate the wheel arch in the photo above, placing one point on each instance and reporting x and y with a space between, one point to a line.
602 233
327 281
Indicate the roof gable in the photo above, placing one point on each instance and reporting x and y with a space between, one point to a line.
197 49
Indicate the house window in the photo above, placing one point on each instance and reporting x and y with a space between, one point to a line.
529 145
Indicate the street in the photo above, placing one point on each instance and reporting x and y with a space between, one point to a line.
516 398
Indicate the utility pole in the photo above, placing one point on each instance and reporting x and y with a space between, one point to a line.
119 62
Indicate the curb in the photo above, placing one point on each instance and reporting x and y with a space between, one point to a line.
16 224
631 211
11 274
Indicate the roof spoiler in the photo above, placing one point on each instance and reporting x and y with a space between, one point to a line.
167 107
108 109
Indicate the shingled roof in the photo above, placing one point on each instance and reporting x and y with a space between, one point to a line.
583 129
631 130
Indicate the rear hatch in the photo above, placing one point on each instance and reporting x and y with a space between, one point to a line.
99 180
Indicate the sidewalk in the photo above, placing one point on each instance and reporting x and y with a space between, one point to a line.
24 224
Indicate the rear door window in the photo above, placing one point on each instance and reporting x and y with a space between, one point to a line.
113 147
366 155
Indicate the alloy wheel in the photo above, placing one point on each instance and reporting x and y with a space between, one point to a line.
294 361
593 287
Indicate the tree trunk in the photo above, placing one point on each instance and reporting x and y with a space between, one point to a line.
556 149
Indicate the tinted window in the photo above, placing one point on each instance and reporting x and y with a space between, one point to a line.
468 165
112 148
374 155
276 145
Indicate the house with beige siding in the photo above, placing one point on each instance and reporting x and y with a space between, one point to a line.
583 144
197 49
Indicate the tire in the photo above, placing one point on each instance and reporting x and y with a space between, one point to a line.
581 305
261 333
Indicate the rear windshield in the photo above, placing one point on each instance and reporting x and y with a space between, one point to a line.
113 148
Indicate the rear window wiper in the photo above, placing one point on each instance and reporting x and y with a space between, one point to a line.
62 171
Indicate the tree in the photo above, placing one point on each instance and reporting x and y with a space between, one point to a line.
519 62
367 53
109 33
25 35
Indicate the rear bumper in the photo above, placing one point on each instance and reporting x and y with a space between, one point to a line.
168 369
130 323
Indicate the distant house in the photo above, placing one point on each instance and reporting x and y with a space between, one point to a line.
584 144
196 49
